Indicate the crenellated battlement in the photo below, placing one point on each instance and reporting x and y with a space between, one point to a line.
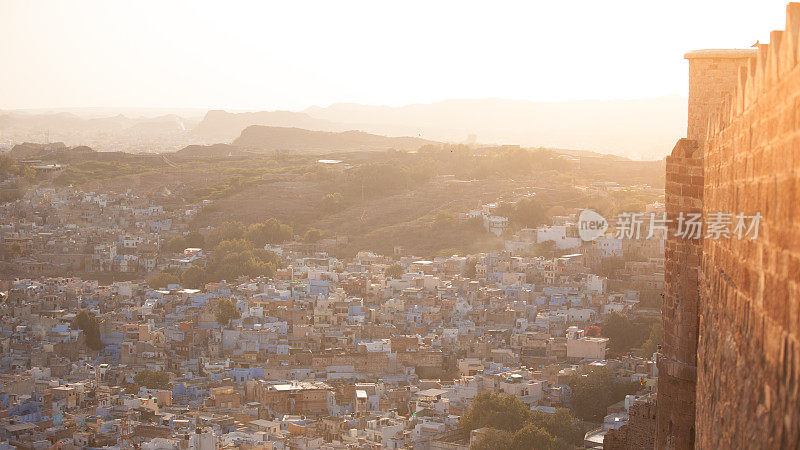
729 368
713 76
766 67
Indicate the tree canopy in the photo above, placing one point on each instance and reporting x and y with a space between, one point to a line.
88 323
513 426
312 235
624 333
496 410
527 212
469 268
653 340
271 231
332 203
190 240
152 379
162 280
226 311
194 277
239 257
395 271
595 390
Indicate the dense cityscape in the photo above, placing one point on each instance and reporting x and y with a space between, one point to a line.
405 226
325 352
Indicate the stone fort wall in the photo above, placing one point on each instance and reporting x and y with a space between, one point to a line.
730 362
677 360
749 323
640 431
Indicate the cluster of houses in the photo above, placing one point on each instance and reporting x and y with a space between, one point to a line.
66 231
330 353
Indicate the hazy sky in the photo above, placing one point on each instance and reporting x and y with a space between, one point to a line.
294 54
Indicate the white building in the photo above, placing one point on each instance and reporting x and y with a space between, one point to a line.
203 440
581 347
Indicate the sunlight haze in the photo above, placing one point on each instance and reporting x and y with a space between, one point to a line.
292 55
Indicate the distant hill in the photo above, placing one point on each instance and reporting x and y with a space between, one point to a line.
151 134
639 129
223 126
31 149
261 138
211 151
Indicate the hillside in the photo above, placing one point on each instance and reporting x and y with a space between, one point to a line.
377 199
133 134
31 150
223 126
643 129
639 129
261 138
210 151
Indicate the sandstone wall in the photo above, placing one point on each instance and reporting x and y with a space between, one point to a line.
712 77
640 431
677 361
749 323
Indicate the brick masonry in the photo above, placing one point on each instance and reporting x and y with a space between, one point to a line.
747 386
743 311
640 431
677 361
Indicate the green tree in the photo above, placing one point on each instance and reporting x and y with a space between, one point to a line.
312 235
532 436
176 244
469 268
493 439
194 240
15 250
561 424
526 212
332 203
88 323
8 165
239 257
194 277
226 311
529 213
496 410
162 280
226 231
547 249
634 206
649 297
625 334
474 225
595 390
651 343
152 379
227 247
272 231
395 271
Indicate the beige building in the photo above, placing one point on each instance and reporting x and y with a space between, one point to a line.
581 347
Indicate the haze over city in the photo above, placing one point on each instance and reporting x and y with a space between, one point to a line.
103 58
241 225
293 55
